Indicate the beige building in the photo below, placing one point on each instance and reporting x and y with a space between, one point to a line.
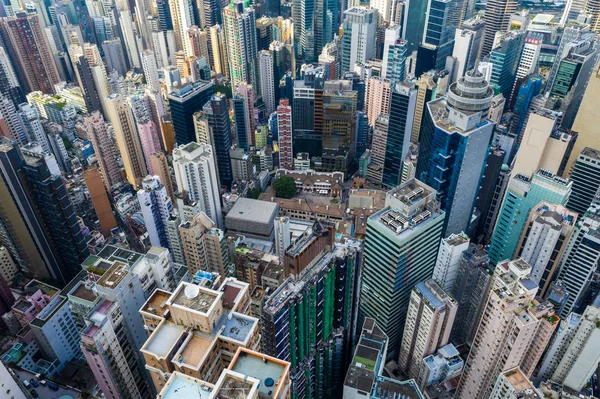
204 245
160 167
513 384
429 320
379 96
513 332
128 141
8 269
544 146
586 121
196 331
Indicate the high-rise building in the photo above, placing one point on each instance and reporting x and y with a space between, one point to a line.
497 19
28 47
184 100
196 173
314 335
284 131
97 131
514 384
239 23
378 98
85 78
504 57
448 259
100 201
544 240
522 195
358 42
9 81
457 121
471 288
427 91
585 177
441 21
467 45
114 56
429 320
573 354
217 113
413 25
243 113
204 246
582 252
283 236
527 91
160 167
530 56
128 141
156 207
267 81
150 69
412 203
513 332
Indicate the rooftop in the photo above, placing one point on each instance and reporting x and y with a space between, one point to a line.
235 386
157 303
194 297
517 379
193 350
251 210
84 292
114 275
271 372
238 327
111 252
163 339
183 386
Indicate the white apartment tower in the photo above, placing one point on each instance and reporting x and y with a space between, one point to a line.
150 69
267 84
156 207
196 173
448 259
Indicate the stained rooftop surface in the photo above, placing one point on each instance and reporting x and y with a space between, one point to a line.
164 338
254 366
237 327
183 387
193 297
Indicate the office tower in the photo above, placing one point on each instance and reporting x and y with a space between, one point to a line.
527 91
384 10
97 132
184 100
544 146
110 341
585 122
156 207
504 58
429 320
9 83
471 288
97 191
579 259
204 246
240 30
413 25
128 142
573 354
267 81
457 121
448 259
314 335
243 113
114 56
378 98
401 116
427 91
160 167
522 195
55 330
284 129
217 112
530 55
544 240
394 64
30 52
513 332
498 14
365 376
150 69
196 173
467 45
358 42
412 202
585 177
574 69
441 21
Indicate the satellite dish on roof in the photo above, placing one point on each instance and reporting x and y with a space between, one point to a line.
192 291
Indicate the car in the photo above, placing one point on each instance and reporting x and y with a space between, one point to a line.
34 383
43 382
26 383
34 393
52 385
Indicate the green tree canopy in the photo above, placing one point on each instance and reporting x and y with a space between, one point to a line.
285 187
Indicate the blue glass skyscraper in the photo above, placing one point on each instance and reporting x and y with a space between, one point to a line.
505 59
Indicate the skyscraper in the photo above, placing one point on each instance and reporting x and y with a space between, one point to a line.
97 131
429 320
448 259
156 207
441 21
498 13
513 332
504 57
243 113
454 144
467 45
184 100
378 98
413 25
30 52
358 42
150 69
100 201
204 246
196 173
385 298
267 81
239 23
523 193
585 177
128 142
217 113
160 167
284 129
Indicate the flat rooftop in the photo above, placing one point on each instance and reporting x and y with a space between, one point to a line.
114 275
83 292
251 210
410 192
111 252
193 351
238 327
163 338
194 297
517 379
181 386
157 303
269 371
232 386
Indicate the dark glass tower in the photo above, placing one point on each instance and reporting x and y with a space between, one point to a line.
184 101
217 111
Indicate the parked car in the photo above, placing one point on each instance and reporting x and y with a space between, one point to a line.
34 383
52 385
26 383
34 393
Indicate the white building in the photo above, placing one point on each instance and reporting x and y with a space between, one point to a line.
530 56
392 33
150 69
449 254
467 44
196 173
10 387
513 384
358 41
156 207
442 366
267 84
282 236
